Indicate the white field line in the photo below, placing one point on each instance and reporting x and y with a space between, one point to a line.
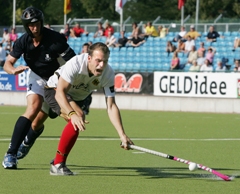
137 139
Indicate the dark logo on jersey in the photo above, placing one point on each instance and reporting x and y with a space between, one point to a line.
47 57
95 82
81 86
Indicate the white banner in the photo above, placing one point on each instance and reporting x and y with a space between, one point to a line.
213 85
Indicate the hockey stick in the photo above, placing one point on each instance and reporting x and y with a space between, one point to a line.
222 176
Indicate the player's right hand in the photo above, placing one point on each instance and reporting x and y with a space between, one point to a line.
19 69
78 122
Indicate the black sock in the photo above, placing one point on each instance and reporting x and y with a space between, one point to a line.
32 136
20 131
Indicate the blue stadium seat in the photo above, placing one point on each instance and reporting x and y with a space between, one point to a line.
235 34
227 34
157 43
204 34
122 67
129 67
150 67
130 54
136 67
97 39
115 66
151 54
84 39
143 67
230 54
128 34
103 39
165 67
150 38
122 54
116 34
71 44
90 34
220 33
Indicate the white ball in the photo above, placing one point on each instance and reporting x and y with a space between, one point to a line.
192 166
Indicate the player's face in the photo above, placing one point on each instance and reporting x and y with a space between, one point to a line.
97 62
35 28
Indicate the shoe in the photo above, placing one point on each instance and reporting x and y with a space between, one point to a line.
10 161
60 169
23 150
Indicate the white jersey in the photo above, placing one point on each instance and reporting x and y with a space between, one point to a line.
76 73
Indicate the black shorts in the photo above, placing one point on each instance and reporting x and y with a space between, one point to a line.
55 110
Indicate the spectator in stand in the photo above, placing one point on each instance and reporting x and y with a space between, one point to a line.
136 40
236 43
6 36
7 40
12 38
150 30
162 31
193 33
220 67
206 67
85 48
201 48
225 61
188 44
77 31
122 40
66 31
107 29
180 35
237 65
192 56
144 29
110 41
135 28
175 63
170 47
13 35
2 55
212 35
210 54
194 67
181 46
201 58
100 30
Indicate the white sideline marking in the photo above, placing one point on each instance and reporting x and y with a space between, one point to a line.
138 139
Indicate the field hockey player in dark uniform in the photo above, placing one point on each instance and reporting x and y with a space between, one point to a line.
40 48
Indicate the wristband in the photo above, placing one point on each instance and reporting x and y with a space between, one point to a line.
71 113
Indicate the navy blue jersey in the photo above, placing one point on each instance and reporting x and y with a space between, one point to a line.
42 59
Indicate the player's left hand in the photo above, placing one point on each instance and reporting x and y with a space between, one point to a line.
125 142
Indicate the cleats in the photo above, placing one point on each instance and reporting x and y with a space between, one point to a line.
23 150
10 161
60 169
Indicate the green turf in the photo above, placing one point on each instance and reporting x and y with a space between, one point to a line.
103 167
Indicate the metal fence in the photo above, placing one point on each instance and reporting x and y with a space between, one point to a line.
201 27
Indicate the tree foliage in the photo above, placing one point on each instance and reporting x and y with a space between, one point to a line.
139 10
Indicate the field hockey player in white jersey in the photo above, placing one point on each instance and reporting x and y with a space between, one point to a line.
65 94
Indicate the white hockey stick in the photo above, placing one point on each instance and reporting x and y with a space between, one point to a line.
222 176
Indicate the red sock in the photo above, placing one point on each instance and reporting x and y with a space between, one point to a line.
67 141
